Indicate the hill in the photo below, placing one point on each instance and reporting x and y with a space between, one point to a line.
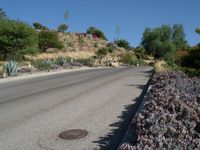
82 46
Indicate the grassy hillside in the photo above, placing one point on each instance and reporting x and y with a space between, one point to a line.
79 46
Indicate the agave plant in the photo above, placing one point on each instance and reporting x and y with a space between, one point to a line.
11 68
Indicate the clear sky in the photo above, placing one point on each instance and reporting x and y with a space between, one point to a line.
132 16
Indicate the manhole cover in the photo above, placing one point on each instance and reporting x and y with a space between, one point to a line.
73 134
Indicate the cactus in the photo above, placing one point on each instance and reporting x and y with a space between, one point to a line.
11 68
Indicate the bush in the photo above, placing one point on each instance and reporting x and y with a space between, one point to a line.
86 62
62 28
123 43
140 50
96 32
39 26
95 45
188 58
43 65
130 59
61 61
194 58
140 62
181 57
49 39
160 66
111 47
191 71
16 39
102 52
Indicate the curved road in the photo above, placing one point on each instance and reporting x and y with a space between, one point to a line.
34 111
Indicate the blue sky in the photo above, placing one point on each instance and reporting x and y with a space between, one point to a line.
132 16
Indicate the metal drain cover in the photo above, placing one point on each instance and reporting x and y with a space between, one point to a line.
73 134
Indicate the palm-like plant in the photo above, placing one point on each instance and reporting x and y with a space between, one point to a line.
2 13
66 15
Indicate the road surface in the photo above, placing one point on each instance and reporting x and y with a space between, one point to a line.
34 111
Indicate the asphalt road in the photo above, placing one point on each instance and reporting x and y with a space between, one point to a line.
34 111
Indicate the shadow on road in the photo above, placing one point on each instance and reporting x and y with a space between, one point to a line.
113 139
137 85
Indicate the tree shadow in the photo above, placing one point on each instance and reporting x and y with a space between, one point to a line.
114 138
137 86
147 71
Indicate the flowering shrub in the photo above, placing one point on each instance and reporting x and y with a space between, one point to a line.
171 116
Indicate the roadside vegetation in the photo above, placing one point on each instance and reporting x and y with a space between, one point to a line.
171 115
37 45
38 48
170 118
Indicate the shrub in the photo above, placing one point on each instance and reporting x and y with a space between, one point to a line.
16 39
96 32
49 39
86 62
140 50
188 58
61 61
129 58
95 45
43 65
194 58
102 52
160 66
111 47
62 28
39 26
191 71
181 57
140 62
122 43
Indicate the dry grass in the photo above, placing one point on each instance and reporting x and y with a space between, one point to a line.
160 66
75 48
70 54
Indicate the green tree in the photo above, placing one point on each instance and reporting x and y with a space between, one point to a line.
2 14
62 28
197 30
164 41
66 15
129 58
39 26
96 32
178 37
49 39
122 43
16 38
